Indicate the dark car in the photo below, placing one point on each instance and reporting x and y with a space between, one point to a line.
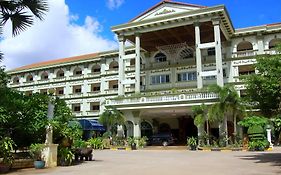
163 139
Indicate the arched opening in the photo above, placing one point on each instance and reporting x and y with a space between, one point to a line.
44 76
60 74
77 71
244 46
29 78
164 128
146 129
113 66
96 69
160 57
186 53
16 80
274 43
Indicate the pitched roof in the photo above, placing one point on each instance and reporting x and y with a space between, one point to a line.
57 61
170 2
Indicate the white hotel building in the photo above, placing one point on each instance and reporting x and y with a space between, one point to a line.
177 49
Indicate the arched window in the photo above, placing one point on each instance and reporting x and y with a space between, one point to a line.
96 68
29 78
113 65
274 42
160 57
16 80
244 46
186 53
44 76
146 129
77 71
60 74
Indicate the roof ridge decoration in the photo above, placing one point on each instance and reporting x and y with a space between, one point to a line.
165 11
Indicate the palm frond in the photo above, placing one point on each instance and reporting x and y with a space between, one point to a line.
37 7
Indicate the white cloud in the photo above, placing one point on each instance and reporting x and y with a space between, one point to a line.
55 37
114 4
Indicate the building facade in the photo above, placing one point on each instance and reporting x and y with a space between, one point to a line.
178 49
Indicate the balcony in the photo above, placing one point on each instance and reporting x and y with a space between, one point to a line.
172 99
58 79
77 113
76 95
94 93
272 52
111 91
76 77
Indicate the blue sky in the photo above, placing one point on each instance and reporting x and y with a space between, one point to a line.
75 27
244 13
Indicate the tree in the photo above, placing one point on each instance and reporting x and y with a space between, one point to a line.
110 117
264 88
3 77
200 117
21 13
228 102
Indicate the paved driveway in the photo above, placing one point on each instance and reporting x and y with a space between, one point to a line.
172 162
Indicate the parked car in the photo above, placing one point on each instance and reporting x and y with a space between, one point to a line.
163 139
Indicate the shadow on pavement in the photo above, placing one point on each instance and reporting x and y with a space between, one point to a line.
273 158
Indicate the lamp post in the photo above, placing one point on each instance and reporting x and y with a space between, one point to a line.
51 150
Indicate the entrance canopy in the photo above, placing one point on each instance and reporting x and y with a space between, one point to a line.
91 125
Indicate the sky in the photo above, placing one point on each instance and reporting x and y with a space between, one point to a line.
75 27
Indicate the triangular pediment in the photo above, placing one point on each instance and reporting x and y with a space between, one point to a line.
166 8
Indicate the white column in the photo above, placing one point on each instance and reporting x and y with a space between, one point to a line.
137 129
121 65
137 64
268 131
216 24
198 56
260 44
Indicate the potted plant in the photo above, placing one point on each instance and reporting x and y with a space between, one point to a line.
192 143
132 142
65 156
36 152
143 142
6 157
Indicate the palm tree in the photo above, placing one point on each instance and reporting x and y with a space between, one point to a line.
110 117
200 117
228 101
21 14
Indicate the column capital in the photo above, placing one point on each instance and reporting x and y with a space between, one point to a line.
137 34
216 21
121 38
196 23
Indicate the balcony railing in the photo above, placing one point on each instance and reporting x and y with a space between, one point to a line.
93 113
163 98
246 53
272 52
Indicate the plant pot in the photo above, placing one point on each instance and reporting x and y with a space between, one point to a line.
134 146
193 147
39 164
4 168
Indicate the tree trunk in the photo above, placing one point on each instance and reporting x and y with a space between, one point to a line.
208 134
235 129
226 131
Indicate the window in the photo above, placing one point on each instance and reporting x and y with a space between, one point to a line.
209 78
96 69
60 74
113 65
77 71
187 76
96 88
44 76
160 57
29 78
76 107
115 86
95 107
211 51
158 79
77 89
60 91
44 91
16 80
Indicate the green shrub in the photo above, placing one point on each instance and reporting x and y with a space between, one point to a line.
96 143
143 141
65 156
258 145
256 132
36 151
79 143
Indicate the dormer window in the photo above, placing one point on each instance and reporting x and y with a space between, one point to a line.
160 57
